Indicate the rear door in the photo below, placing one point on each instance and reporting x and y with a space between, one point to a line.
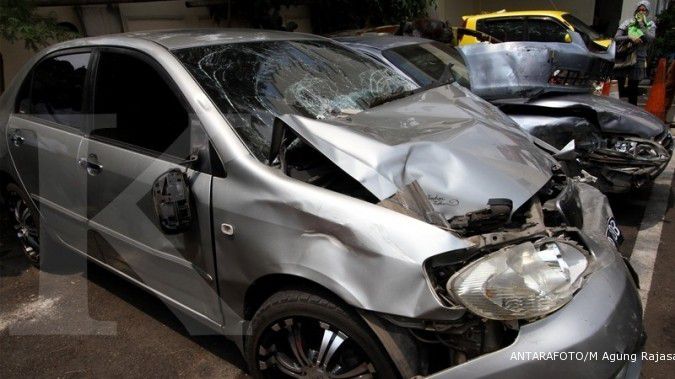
143 128
45 136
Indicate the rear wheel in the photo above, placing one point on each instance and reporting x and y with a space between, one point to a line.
303 335
26 222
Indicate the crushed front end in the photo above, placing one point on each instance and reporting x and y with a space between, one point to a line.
621 146
547 279
546 88
531 247
625 163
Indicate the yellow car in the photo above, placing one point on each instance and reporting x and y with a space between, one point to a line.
538 26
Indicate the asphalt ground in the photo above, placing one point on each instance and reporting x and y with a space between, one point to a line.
146 339
53 336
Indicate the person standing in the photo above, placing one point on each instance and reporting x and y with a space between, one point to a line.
638 32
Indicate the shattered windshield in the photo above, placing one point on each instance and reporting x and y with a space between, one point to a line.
253 82
426 62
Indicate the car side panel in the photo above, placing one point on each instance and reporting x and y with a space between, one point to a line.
47 165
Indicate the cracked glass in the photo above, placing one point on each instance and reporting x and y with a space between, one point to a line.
253 82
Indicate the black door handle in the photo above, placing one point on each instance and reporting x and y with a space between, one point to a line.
91 164
17 139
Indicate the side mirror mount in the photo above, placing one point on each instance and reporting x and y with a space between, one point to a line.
171 195
567 153
278 132
568 38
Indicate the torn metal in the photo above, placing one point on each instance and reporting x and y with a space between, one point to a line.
526 69
622 145
544 88
393 145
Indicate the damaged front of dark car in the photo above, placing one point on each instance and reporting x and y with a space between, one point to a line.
353 225
546 88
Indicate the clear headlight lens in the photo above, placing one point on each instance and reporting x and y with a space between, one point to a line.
520 282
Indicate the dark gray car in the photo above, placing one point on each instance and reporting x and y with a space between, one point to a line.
545 88
313 205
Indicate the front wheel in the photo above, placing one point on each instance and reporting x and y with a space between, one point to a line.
26 222
302 335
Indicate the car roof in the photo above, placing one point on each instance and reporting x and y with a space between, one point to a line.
382 42
557 14
184 38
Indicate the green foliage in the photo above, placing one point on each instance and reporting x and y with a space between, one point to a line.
664 44
20 21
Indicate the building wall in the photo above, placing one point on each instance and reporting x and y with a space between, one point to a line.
14 55
94 20
163 15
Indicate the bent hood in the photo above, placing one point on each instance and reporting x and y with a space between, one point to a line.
461 150
525 69
613 115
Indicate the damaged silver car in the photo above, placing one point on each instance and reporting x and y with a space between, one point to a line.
546 88
330 216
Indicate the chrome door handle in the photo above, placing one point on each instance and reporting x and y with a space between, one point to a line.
16 139
91 165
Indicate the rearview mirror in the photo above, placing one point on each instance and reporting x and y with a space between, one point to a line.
171 195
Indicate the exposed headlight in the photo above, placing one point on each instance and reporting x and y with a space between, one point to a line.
520 282
640 149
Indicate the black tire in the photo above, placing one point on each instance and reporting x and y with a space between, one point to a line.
356 344
25 220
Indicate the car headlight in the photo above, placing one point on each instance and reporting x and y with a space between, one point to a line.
520 282
641 149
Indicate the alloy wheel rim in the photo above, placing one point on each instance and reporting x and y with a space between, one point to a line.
303 347
26 229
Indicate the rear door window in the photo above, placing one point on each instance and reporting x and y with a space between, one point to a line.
504 29
545 30
55 90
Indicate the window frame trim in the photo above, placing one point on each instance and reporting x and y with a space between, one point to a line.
543 18
506 18
170 82
86 91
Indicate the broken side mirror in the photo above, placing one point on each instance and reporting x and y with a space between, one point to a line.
171 195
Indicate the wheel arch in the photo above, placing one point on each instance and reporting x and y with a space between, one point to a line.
264 287
395 341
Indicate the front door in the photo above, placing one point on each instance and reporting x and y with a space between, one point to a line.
143 128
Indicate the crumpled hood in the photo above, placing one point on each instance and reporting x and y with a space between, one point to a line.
460 149
614 115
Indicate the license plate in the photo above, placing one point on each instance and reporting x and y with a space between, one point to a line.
613 232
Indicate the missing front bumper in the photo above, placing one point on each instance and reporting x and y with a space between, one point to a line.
629 164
